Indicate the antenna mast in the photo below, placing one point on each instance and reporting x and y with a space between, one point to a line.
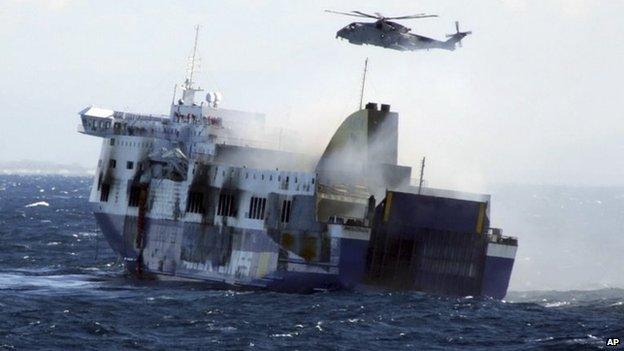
363 82
175 88
194 53
188 91
422 173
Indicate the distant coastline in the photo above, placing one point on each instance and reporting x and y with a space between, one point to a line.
29 167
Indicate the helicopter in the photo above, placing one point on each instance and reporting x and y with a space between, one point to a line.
391 35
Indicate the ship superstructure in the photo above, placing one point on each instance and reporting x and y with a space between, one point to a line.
202 194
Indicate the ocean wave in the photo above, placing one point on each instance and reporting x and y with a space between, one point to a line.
57 299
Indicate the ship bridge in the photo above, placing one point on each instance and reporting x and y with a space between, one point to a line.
216 126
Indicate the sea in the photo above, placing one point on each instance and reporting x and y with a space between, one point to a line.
62 288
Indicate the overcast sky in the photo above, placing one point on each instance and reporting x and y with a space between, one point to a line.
534 96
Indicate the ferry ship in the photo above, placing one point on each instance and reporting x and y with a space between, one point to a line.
202 194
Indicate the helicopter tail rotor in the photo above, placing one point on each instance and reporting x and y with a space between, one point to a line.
457 36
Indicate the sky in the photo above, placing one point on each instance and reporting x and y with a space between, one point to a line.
534 96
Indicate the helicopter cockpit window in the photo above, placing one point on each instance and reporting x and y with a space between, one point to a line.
352 26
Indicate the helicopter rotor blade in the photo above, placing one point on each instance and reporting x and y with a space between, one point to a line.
416 14
345 13
457 26
379 16
420 15
367 15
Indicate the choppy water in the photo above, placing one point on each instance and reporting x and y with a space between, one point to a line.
55 294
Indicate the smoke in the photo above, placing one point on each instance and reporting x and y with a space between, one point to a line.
569 237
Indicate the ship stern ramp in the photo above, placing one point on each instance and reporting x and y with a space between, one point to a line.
434 244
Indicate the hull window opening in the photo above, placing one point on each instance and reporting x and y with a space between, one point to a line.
135 194
285 215
104 191
257 206
195 202
226 205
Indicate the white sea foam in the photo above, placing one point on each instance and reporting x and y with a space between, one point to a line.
556 304
84 234
55 282
284 335
40 203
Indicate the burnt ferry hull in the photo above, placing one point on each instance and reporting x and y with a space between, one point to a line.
214 195
423 243
185 253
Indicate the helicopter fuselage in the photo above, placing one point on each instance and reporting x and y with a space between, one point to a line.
391 35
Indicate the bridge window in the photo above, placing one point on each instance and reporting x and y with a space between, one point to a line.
285 216
129 165
112 163
226 205
257 206
112 141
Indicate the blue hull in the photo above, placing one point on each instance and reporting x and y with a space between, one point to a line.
496 275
